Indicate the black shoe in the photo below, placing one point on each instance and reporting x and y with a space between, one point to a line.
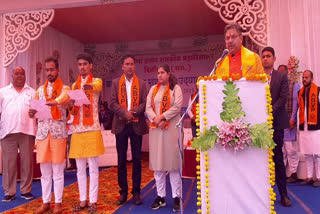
285 201
158 202
122 199
293 178
27 196
136 199
8 198
176 204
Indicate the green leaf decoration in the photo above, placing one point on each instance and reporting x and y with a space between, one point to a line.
232 104
206 139
261 136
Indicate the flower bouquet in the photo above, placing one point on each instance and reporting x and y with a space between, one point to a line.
293 65
233 133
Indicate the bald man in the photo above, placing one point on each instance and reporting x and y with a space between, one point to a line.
17 131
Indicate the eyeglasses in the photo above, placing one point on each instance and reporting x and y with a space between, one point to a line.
233 37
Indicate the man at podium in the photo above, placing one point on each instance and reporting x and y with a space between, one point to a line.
240 60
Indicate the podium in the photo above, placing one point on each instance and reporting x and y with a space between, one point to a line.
235 181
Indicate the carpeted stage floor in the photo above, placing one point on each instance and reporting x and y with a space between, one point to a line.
306 199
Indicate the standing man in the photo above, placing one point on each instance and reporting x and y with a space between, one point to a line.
86 140
309 126
17 131
290 144
240 60
52 136
279 94
128 102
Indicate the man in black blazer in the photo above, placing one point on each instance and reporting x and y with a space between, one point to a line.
279 89
129 121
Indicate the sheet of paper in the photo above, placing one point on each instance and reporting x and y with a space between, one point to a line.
79 96
43 110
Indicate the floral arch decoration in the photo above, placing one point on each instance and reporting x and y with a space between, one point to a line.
22 28
251 15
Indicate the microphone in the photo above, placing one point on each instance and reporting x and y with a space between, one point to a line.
224 54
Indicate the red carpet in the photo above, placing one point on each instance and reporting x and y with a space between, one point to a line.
108 191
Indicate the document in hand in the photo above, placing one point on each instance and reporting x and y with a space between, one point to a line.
79 96
43 110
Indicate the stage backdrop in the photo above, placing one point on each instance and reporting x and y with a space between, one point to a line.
185 66
186 59
50 43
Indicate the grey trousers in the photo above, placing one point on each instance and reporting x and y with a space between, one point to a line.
9 149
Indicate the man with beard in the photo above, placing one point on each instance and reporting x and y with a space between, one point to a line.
279 94
240 60
309 126
52 136
17 131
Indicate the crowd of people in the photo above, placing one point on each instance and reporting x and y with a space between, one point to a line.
132 105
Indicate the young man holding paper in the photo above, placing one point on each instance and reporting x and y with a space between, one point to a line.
51 138
86 140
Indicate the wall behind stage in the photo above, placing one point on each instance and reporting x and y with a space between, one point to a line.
50 43
187 60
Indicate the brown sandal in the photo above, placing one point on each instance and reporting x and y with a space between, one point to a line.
92 208
79 208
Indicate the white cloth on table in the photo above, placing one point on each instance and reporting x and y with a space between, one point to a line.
93 163
238 181
51 171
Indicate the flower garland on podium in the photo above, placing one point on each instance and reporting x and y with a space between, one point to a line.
233 133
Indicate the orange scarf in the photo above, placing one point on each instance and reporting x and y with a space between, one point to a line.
194 105
135 94
313 105
87 109
165 103
56 91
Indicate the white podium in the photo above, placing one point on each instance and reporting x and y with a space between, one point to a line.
238 181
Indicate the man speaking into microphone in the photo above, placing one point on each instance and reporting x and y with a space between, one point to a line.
240 60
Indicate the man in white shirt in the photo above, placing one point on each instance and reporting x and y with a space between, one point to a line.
17 131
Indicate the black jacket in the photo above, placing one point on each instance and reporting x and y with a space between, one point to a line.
279 93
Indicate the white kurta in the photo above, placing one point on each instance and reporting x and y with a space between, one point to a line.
163 144
309 139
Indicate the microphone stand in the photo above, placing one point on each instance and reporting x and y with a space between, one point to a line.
178 125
